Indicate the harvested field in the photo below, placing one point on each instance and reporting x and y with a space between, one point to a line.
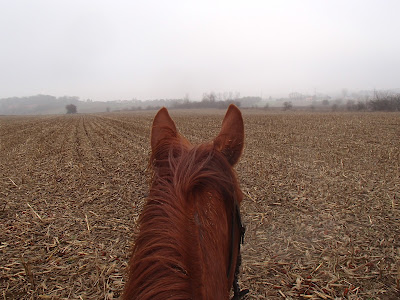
321 207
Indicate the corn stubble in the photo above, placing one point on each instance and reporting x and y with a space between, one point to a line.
322 202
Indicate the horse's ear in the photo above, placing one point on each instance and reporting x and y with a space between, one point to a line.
230 140
163 128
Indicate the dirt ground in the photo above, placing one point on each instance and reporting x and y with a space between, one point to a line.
322 205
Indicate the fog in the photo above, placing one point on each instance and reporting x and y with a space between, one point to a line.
109 50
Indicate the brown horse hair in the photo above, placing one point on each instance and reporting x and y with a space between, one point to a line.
182 249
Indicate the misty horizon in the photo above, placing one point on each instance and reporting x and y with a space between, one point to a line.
223 96
170 50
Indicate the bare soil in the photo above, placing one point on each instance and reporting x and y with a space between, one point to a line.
321 207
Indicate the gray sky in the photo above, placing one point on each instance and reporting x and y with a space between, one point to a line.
108 50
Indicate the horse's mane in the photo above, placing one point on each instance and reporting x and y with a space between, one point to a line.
190 203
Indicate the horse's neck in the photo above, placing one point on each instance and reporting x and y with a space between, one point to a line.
210 228
195 263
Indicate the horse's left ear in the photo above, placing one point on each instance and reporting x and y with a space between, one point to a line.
163 128
230 140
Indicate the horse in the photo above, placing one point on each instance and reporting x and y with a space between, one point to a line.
190 230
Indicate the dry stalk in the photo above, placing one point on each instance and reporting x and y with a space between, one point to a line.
28 271
87 223
35 213
13 182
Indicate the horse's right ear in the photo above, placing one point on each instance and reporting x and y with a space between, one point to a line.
163 128
230 140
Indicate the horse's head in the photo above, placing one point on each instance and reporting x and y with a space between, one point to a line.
190 227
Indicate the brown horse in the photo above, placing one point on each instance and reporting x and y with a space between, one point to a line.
188 246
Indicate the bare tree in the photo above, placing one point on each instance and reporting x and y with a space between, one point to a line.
71 109
211 97
385 101
287 105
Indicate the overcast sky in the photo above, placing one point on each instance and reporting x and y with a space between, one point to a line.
108 50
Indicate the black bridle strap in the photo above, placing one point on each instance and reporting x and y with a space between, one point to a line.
236 218
237 293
